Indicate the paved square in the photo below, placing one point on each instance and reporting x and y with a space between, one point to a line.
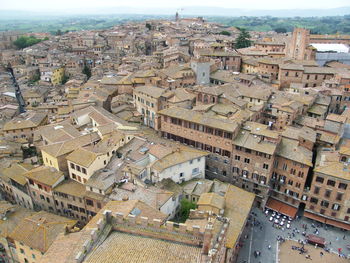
286 254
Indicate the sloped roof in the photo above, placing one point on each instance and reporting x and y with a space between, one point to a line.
44 174
178 156
40 230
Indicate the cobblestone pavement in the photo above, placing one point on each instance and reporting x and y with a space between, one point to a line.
261 236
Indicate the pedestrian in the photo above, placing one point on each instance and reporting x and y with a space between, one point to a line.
321 253
330 242
344 237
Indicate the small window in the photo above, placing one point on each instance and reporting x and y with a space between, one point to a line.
319 179
314 200
331 182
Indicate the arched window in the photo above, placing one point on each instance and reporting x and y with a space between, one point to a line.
205 98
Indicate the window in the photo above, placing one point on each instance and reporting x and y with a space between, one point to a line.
89 202
317 190
47 200
339 196
325 203
83 170
74 176
195 170
336 207
327 193
78 168
181 174
246 160
297 185
342 186
285 167
98 205
314 200
319 179
22 251
331 182
290 182
42 197
72 165
265 166
235 170
237 157
245 173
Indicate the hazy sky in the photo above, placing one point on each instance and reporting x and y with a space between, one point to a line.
246 4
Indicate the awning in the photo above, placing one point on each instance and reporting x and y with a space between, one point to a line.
315 217
316 240
281 207
338 224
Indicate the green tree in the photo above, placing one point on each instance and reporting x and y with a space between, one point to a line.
185 207
87 71
225 33
243 40
148 26
280 30
24 41
65 78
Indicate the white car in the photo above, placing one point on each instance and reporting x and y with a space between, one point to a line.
271 219
288 226
266 212
276 221
281 223
290 219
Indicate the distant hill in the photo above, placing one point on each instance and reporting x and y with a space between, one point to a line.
187 11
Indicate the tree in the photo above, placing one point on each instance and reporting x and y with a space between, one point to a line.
148 26
185 208
280 30
24 41
225 33
86 71
243 40
65 78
